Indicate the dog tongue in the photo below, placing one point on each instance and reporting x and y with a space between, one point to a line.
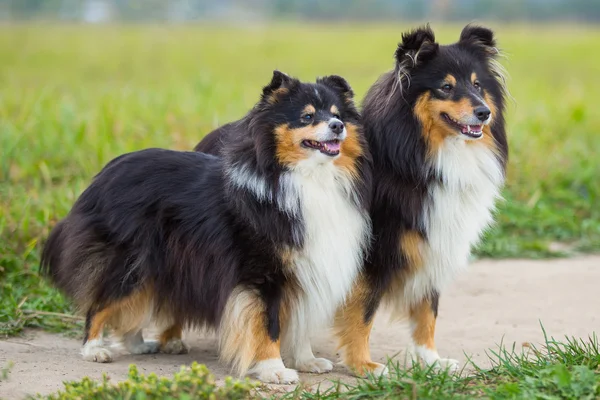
332 145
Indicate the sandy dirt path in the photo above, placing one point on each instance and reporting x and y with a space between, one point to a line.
495 299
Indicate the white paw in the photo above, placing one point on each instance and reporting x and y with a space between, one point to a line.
314 365
380 370
93 351
175 346
148 347
273 371
278 375
368 368
448 364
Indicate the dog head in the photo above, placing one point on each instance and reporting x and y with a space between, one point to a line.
307 123
455 90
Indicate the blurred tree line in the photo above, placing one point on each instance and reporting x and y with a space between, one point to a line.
186 10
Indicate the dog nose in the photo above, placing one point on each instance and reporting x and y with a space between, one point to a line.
482 113
336 126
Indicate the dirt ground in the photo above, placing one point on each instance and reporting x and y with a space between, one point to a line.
494 300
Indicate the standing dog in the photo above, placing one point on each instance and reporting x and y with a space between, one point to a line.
262 244
435 128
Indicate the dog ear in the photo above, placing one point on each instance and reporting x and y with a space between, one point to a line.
339 85
417 47
479 36
280 84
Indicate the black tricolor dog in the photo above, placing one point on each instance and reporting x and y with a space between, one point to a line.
435 127
262 244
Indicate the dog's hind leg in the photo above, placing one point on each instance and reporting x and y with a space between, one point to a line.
246 340
93 343
170 340
126 316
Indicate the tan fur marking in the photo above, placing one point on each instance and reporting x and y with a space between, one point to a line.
450 79
124 316
353 332
173 332
473 77
287 256
350 150
334 110
422 317
244 339
289 151
274 96
97 325
309 109
433 129
410 244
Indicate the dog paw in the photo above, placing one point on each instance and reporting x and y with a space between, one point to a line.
96 354
273 371
175 346
278 375
314 365
147 347
446 364
379 370
368 368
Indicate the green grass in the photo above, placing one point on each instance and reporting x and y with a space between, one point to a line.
73 97
193 382
567 369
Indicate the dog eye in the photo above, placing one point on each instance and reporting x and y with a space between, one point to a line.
307 117
477 85
337 116
447 88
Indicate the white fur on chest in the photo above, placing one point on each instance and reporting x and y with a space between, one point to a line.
459 210
335 235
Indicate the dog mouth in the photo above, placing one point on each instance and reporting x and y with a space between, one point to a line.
329 147
472 131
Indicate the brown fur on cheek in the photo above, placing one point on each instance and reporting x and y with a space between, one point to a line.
288 141
429 113
433 129
350 150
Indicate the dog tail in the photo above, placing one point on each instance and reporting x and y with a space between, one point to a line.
51 254
63 263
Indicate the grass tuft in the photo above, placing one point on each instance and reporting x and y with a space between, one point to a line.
193 382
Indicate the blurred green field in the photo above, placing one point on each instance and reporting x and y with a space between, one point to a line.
73 97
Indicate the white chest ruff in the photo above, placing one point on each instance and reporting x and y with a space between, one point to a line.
458 211
336 233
